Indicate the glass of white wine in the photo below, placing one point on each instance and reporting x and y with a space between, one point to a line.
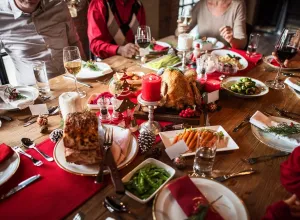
186 15
72 64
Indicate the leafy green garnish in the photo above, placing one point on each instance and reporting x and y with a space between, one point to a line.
284 129
91 65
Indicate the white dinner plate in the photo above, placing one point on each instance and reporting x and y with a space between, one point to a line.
227 82
112 83
229 206
271 140
86 73
216 46
92 170
167 138
242 61
164 44
9 168
268 61
30 92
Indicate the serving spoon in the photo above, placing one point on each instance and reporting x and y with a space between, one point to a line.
119 206
28 143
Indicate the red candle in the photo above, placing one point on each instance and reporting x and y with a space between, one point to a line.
151 84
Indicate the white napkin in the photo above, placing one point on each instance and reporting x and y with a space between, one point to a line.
292 82
20 104
261 121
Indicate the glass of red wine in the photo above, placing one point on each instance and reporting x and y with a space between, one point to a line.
285 49
143 39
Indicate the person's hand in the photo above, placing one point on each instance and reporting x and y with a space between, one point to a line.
227 33
286 62
182 27
294 205
128 50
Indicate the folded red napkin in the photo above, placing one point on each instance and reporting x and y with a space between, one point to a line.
274 62
189 197
158 47
290 172
5 152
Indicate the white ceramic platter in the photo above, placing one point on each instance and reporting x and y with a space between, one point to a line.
227 82
91 170
9 167
86 73
242 61
167 138
229 206
272 140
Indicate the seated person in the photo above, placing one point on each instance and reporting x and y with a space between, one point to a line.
36 30
112 25
290 179
215 18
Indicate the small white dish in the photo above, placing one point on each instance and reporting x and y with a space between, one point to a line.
163 44
215 43
155 162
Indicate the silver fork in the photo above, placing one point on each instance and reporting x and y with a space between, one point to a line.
254 160
35 161
245 120
108 139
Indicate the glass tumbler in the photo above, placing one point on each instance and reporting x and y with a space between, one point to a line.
253 44
40 74
207 143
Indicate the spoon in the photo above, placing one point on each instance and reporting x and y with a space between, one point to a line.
119 206
111 210
27 143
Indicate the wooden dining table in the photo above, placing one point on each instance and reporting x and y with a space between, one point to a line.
257 191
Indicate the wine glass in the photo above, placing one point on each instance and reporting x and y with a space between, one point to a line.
72 64
143 38
186 15
285 48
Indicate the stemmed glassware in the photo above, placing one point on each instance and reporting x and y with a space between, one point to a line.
143 38
72 64
285 48
186 15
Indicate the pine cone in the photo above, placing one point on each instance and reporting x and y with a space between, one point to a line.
56 135
146 140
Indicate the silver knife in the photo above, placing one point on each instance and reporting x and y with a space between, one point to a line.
291 74
241 173
82 83
20 186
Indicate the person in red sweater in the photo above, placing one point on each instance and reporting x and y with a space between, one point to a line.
112 25
290 179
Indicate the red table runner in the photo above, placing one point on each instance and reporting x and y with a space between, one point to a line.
213 82
53 196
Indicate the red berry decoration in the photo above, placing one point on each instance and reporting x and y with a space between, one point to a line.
187 113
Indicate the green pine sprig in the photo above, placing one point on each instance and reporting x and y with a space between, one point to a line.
284 129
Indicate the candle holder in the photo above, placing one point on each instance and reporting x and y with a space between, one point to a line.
183 60
150 125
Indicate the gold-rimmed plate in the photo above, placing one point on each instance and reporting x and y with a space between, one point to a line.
9 167
92 170
229 206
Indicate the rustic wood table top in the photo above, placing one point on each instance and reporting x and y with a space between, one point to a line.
257 191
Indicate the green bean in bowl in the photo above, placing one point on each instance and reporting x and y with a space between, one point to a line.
245 86
146 181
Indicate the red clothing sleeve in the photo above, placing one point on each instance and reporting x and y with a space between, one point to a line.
290 172
98 33
278 211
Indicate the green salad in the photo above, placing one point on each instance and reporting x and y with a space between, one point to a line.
146 181
168 60
245 86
